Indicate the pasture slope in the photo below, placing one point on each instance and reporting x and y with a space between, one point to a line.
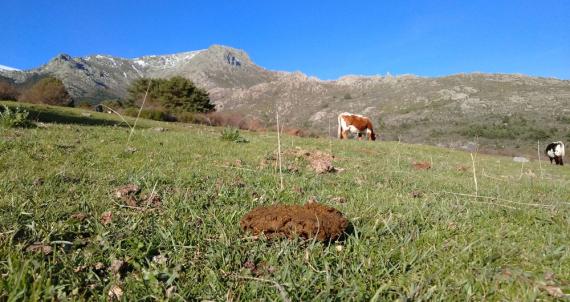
413 237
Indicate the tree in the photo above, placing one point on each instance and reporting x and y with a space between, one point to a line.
176 94
49 91
7 91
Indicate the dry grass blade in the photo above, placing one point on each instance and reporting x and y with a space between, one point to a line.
474 176
120 115
138 114
279 150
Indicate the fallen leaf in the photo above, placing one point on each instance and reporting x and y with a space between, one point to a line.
153 200
117 266
99 266
106 217
160 259
422 165
39 247
79 216
170 291
126 191
555 291
80 268
338 199
312 199
250 265
115 293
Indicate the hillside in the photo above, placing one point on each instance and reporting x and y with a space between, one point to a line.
505 112
415 234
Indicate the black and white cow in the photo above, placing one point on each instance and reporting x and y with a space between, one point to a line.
555 151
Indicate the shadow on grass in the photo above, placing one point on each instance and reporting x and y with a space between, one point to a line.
46 116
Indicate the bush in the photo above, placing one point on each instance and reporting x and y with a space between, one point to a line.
49 91
176 94
10 118
151 114
84 105
235 120
8 92
192 117
233 135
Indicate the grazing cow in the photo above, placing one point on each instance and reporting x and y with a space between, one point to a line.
555 151
356 124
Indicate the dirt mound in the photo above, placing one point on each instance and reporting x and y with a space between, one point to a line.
312 220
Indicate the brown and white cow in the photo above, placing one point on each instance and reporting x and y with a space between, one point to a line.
355 124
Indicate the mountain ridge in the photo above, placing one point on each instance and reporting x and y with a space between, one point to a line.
450 110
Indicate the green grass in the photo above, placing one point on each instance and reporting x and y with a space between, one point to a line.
441 246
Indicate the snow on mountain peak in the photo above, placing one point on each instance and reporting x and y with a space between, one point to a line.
3 67
165 61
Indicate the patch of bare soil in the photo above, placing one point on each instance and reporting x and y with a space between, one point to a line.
312 220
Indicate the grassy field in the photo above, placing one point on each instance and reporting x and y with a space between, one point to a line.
416 234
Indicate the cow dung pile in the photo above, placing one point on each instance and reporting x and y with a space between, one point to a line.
312 220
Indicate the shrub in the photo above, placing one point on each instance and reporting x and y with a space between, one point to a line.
192 117
232 135
84 105
235 120
151 114
10 118
176 94
49 91
7 91
106 104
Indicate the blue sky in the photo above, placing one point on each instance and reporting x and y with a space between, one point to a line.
326 39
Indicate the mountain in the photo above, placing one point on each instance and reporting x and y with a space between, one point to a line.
498 110
98 77
7 68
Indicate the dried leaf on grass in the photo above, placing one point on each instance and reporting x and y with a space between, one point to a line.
39 248
129 194
422 165
117 267
106 217
338 199
115 293
555 291
78 216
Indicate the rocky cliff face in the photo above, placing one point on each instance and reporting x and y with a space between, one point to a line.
98 77
435 110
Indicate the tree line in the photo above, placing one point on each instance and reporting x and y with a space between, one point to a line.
171 99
